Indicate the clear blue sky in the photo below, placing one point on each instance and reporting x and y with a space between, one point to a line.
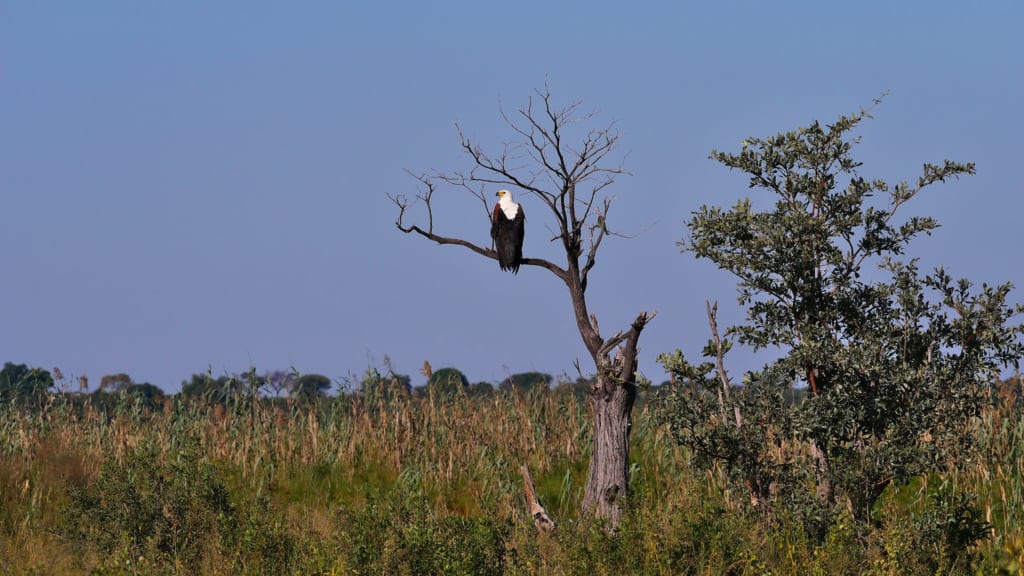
202 185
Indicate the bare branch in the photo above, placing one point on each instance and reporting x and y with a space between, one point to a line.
720 364
576 201
597 234
542 164
403 206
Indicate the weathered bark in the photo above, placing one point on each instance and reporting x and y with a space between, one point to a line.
608 479
612 396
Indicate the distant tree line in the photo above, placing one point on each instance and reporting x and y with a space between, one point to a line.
32 386
20 383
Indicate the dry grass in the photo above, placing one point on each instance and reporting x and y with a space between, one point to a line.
997 476
463 453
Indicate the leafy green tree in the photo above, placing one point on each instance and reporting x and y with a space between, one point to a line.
447 382
114 388
220 390
18 382
892 367
152 394
480 389
310 387
526 380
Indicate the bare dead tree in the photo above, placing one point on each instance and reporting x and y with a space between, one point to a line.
571 181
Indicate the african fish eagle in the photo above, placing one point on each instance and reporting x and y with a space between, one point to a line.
507 224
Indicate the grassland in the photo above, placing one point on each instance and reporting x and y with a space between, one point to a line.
384 482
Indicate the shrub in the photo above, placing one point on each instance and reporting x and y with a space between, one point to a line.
398 532
170 517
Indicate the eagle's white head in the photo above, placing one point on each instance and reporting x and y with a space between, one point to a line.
508 206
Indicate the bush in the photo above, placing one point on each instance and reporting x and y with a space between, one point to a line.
938 539
169 517
399 533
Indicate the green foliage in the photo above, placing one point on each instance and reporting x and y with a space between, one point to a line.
480 390
20 383
151 394
310 387
142 508
744 429
153 514
447 383
1008 559
108 397
398 533
221 390
945 534
892 365
526 381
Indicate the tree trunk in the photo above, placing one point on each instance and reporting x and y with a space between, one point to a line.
608 480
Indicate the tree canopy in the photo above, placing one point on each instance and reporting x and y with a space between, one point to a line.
18 382
447 382
526 381
310 387
221 390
